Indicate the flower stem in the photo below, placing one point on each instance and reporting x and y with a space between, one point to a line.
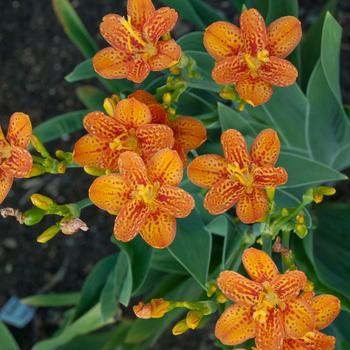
267 242
84 203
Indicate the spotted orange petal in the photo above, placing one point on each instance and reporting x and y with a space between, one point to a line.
283 35
270 334
19 163
132 216
119 34
181 152
110 193
327 308
235 147
174 201
238 288
222 39
165 167
20 130
299 318
111 63
154 137
259 266
102 127
266 148
222 196
206 170
140 11
311 341
269 176
253 31
230 70
169 53
235 325
160 23
88 151
189 132
278 72
252 207
289 285
144 97
110 159
138 70
132 113
159 230
6 181
254 91
159 114
133 169
3 141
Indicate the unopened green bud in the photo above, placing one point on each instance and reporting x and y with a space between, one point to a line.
301 230
48 234
37 170
39 146
33 216
180 328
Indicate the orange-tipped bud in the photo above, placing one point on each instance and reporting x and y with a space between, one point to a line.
61 168
157 308
320 192
175 70
42 202
180 328
193 319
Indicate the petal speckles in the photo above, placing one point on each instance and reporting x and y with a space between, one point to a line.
140 11
6 181
20 130
327 309
168 54
235 147
254 91
230 70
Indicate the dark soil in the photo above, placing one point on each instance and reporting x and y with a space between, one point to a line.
35 56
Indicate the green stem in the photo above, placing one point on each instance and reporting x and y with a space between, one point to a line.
84 203
280 223
285 238
267 240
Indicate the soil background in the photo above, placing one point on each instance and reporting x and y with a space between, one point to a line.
35 55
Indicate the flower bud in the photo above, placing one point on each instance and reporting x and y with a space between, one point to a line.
36 170
94 171
212 288
167 98
61 168
175 70
33 216
157 308
39 146
42 202
143 311
228 93
320 192
193 319
301 230
180 328
48 234
110 104
284 212
171 112
300 218
221 299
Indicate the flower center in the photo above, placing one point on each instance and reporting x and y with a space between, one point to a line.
125 142
254 63
147 194
268 300
243 175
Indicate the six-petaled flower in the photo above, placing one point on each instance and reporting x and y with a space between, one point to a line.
128 129
189 133
267 307
253 57
15 160
145 197
139 43
239 177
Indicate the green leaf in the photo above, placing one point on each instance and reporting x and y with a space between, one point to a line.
94 284
340 329
231 119
162 260
87 323
207 12
74 28
118 287
7 340
82 71
330 244
303 171
280 8
63 124
311 43
52 300
140 255
286 112
191 232
327 119
91 97
192 42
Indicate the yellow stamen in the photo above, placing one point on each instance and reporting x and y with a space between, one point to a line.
147 194
244 176
132 33
127 142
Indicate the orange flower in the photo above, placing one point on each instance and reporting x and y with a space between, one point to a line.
268 307
239 177
189 133
129 129
252 57
326 308
156 308
138 44
15 160
146 198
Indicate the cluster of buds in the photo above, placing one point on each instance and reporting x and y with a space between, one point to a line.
229 93
46 163
43 206
158 308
